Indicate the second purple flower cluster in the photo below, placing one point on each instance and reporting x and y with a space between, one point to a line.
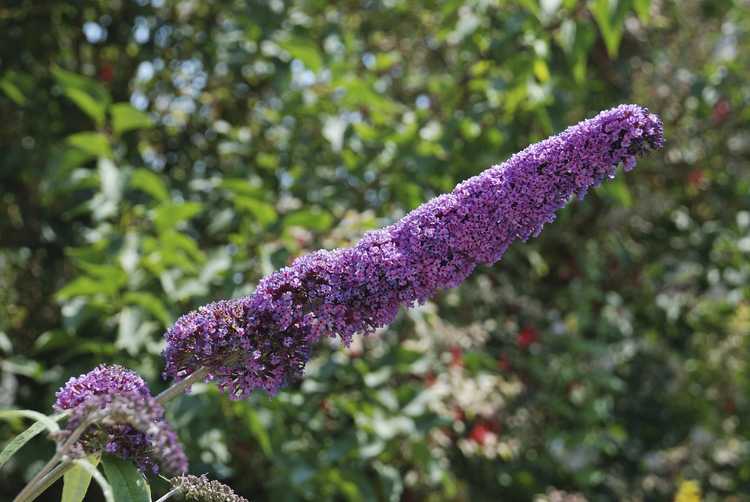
119 416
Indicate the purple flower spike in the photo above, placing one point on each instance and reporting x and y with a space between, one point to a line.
129 422
261 341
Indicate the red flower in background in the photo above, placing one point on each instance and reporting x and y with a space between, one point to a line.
482 429
696 178
106 73
503 362
430 379
457 357
526 337
721 111
479 433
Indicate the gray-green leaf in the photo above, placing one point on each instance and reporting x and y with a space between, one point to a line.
128 484
77 480
42 422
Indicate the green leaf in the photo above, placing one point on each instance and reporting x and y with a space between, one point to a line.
167 216
133 332
126 118
610 17
90 96
112 183
94 143
49 422
12 91
258 430
618 191
262 211
76 481
304 50
311 219
17 442
42 422
70 80
127 482
643 10
87 104
150 183
150 303
83 286
103 484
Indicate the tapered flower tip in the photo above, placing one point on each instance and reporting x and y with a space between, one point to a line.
643 130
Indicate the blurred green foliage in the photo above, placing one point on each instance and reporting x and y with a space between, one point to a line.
157 155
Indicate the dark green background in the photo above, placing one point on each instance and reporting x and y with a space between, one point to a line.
155 156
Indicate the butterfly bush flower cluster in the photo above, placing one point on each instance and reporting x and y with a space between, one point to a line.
263 340
120 417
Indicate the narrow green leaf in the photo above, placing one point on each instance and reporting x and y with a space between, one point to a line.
86 286
127 482
150 303
94 143
103 484
17 442
12 91
258 430
77 480
643 10
261 211
70 80
42 422
126 118
151 183
49 422
311 219
88 94
167 216
610 16
87 104
304 50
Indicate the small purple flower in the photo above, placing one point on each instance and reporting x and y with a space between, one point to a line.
262 341
125 420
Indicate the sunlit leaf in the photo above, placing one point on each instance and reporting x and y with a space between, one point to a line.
263 212
304 50
90 96
12 91
77 480
149 182
100 480
311 219
125 118
93 143
643 9
170 214
150 303
87 104
609 16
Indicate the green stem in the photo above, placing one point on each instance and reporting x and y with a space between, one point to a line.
168 494
40 486
53 462
182 386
